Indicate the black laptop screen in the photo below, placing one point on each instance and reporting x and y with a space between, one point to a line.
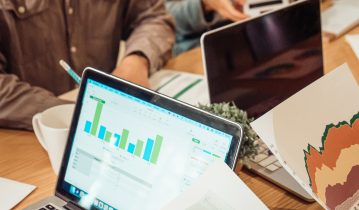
261 62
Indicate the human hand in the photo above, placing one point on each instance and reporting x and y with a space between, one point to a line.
226 8
134 68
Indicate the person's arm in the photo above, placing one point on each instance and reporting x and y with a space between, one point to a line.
193 16
149 35
19 101
190 16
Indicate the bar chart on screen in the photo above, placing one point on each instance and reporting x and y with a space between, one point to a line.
148 150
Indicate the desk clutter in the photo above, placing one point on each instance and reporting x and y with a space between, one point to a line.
315 169
132 148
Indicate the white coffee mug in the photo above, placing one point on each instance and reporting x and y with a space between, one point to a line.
51 128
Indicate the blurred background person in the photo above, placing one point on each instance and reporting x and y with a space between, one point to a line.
194 17
36 34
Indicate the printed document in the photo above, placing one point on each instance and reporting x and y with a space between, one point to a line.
219 188
315 136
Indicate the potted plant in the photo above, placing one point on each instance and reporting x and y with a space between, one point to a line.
249 147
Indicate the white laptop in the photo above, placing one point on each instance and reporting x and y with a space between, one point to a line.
261 62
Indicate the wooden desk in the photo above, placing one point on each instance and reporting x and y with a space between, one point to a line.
23 159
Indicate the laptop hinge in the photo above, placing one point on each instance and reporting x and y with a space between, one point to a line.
72 206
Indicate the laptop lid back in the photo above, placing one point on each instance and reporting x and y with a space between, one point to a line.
131 148
262 61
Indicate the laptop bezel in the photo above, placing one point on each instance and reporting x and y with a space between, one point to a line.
229 27
155 98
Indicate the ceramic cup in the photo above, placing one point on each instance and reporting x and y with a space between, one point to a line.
51 128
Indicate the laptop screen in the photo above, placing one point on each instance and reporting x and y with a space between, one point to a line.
128 153
261 62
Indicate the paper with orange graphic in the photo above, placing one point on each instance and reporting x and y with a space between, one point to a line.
315 134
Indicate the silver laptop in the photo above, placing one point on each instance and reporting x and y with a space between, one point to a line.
261 62
131 148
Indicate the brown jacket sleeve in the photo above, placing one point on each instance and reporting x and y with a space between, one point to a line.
151 31
19 101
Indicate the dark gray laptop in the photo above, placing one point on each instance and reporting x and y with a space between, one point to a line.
261 62
132 148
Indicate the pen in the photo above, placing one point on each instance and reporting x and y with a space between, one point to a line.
70 71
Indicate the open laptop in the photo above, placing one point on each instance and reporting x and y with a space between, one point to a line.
132 148
261 62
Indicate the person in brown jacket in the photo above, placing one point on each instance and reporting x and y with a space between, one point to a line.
36 34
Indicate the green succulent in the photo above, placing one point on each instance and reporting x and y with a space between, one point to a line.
230 111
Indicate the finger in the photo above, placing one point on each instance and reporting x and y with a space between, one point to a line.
235 18
227 15
232 12
230 16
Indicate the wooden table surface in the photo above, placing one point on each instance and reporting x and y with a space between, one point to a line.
23 159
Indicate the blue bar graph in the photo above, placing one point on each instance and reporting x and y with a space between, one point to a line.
131 148
118 137
102 132
148 149
72 189
88 126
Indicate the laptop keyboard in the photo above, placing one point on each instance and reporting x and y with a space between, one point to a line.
49 207
265 158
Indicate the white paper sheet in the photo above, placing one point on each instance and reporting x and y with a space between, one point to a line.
12 192
219 188
353 41
186 87
297 131
340 18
